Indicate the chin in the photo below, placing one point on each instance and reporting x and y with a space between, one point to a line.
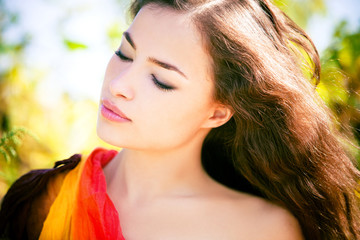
109 135
106 134
110 140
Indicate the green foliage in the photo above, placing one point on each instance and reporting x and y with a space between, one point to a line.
9 157
9 141
340 80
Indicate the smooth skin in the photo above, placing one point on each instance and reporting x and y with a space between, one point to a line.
156 182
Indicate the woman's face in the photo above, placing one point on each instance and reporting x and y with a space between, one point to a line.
157 91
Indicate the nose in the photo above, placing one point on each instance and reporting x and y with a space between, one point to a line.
121 87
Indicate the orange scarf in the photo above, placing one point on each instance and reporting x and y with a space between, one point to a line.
83 210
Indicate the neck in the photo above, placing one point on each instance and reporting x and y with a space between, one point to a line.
143 175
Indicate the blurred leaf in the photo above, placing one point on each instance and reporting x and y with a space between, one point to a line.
72 45
114 33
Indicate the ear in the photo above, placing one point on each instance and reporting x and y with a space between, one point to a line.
219 116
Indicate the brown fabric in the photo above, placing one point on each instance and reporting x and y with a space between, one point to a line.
27 203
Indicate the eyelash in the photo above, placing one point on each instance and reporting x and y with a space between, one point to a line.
158 84
161 85
122 56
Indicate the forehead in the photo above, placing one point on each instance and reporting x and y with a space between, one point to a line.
171 36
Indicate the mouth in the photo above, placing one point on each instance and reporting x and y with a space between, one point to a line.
112 113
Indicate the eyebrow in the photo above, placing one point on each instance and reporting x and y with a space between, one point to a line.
129 39
166 66
153 60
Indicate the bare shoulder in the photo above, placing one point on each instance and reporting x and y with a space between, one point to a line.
252 217
275 222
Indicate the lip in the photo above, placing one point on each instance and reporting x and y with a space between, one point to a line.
112 113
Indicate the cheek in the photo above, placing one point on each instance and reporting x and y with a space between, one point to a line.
175 117
192 103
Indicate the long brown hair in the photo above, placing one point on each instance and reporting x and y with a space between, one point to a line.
280 143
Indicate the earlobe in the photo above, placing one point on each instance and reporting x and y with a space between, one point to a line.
219 116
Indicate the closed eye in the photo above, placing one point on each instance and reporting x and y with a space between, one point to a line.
122 56
160 85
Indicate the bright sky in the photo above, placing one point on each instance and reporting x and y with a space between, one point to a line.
81 72
320 27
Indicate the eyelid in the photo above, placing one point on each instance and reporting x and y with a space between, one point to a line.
162 86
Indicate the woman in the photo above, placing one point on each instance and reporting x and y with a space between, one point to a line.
223 137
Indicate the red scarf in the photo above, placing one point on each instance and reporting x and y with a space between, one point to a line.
83 210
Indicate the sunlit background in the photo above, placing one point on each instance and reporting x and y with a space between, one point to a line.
53 55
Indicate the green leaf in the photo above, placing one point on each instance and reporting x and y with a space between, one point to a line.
72 45
7 159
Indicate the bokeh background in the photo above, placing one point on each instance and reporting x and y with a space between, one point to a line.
53 54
